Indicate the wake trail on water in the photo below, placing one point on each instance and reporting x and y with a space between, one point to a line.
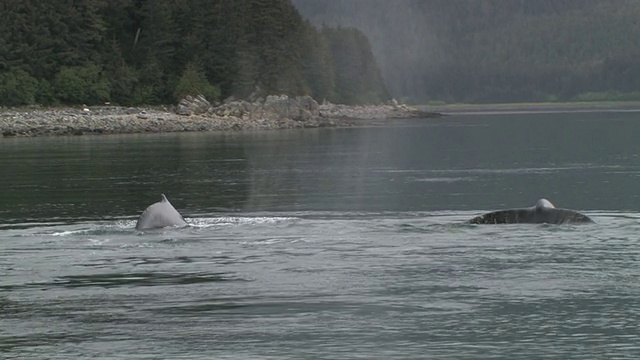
439 222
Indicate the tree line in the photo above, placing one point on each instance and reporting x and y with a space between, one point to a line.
497 50
132 52
539 50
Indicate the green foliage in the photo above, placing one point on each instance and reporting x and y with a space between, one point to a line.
194 82
46 93
133 51
125 86
42 36
357 79
153 52
82 84
142 94
18 88
318 66
495 50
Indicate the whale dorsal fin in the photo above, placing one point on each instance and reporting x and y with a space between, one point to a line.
544 203
163 198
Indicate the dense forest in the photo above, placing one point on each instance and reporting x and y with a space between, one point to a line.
154 52
497 50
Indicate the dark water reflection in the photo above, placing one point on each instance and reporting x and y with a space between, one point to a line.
583 160
330 243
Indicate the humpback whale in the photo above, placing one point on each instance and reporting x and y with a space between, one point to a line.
542 212
159 215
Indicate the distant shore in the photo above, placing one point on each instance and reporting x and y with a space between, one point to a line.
34 121
37 121
533 107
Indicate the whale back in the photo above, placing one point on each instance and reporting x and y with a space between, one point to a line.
562 216
159 215
509 216
543 212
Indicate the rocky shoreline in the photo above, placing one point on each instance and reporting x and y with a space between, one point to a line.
196 114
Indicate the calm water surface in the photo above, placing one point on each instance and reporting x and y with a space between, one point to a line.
325 244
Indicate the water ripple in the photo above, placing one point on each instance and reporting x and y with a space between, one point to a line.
324 285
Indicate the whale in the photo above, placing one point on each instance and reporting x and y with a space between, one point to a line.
159 215
543 212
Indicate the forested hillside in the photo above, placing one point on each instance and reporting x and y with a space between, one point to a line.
497 50
156 51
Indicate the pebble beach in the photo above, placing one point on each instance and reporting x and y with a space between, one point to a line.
31 122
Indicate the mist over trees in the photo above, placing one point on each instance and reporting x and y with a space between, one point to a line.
496 50
156 51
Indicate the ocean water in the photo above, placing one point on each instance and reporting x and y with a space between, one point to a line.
325 243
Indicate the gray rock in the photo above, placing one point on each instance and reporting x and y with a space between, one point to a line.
301 108
193 105
274 112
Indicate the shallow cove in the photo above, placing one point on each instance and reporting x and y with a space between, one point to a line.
325 243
